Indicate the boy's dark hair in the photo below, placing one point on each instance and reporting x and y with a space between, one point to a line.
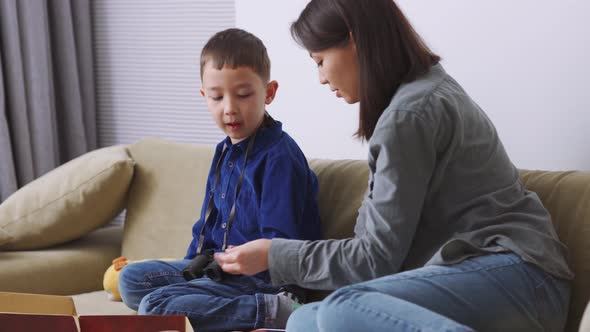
389 50
235 48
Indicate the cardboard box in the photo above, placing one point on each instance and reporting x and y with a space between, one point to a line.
51 313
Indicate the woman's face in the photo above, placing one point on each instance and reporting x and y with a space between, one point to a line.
338 67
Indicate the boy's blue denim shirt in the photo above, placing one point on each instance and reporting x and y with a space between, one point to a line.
278 197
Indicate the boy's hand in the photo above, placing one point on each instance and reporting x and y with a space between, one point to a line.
249 258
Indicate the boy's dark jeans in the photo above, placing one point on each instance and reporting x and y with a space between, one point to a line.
159 288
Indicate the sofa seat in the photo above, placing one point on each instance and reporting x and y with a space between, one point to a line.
97 303
72 268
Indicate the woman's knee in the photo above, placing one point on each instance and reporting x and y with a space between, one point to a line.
349 309
303 319
341 295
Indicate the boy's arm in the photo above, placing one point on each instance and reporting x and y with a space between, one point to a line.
285 186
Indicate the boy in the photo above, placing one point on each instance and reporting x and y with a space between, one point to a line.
259 185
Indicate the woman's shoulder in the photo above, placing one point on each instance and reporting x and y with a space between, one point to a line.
417 94
428 97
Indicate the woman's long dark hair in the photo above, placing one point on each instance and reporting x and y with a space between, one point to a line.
389 50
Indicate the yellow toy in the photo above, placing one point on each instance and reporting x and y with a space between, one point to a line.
111 276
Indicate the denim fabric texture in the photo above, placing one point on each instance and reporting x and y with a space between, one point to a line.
495 292
158 288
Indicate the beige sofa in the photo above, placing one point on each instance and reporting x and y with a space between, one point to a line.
164 199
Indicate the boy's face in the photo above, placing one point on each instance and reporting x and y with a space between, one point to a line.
236 98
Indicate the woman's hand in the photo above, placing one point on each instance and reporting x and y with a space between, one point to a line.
249 258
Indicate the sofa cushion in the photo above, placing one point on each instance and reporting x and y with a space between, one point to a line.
71 268
67 202
165 197
567 197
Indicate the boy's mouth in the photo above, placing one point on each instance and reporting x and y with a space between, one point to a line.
233 125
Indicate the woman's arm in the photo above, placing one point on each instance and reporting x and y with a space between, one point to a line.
402 158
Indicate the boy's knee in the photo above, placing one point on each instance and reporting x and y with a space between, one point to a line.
145 308
128 277
152 303
131 279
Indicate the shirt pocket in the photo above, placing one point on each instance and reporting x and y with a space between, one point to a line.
246 221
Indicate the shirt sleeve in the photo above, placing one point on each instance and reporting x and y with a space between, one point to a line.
282 203
402 157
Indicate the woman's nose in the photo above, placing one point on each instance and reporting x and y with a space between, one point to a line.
323 79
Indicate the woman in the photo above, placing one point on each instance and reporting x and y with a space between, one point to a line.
447 237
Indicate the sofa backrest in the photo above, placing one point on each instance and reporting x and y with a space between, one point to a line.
165 197
168 187
567 197
167 191
342 186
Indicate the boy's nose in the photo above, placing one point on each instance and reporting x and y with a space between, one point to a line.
229 107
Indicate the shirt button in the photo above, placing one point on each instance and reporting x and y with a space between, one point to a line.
223 195
223 225
230 164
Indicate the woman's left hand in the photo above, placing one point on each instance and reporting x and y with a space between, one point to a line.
248 259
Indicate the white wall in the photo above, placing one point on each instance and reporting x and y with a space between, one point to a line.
147 68
524 62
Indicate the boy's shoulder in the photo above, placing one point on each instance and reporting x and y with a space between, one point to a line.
283 145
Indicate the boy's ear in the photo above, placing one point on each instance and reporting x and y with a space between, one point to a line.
202 92
271 91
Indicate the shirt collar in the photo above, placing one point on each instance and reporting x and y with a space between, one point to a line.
267 134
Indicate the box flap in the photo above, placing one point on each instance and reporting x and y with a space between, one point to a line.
37 304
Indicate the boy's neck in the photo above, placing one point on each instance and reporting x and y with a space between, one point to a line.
267 122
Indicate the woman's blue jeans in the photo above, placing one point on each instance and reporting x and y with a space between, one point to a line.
495 292
158 288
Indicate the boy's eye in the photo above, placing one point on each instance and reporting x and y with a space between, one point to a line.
320 63
217 98
245 95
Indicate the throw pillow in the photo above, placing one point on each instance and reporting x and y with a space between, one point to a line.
67 202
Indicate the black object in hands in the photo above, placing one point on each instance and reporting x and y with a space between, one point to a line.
203 264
